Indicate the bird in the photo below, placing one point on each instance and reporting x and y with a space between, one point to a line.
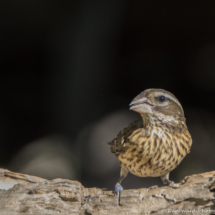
155 144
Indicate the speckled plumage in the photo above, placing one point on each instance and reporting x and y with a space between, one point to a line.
156 144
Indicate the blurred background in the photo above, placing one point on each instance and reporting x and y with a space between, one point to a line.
69 70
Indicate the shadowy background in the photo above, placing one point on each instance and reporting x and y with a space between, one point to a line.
69 70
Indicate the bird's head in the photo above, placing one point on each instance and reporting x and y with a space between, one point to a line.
157 102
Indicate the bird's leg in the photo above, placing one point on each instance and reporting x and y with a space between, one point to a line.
165 180
118 187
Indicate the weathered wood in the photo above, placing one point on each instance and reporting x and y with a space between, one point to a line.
25 194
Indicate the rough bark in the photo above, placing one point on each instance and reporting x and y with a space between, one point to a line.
25 194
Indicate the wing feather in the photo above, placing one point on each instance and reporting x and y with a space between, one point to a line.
118 143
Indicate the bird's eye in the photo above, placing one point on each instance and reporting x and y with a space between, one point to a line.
161 98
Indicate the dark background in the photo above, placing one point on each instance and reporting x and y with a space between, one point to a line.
69 69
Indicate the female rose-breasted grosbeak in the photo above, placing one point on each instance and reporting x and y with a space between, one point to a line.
156 144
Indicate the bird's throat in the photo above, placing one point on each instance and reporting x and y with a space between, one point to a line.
146 119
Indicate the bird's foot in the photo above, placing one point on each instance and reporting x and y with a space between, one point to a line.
170 183
118 189
173 184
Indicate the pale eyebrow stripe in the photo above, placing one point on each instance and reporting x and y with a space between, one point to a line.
170 97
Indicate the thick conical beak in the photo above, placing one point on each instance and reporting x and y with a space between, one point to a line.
141 104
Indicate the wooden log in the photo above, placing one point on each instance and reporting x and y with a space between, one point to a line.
22 194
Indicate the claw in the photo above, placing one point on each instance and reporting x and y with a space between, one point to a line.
173 184
118 189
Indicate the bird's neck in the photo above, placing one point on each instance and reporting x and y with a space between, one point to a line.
146 119
152 120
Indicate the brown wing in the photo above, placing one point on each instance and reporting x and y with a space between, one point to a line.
117 144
